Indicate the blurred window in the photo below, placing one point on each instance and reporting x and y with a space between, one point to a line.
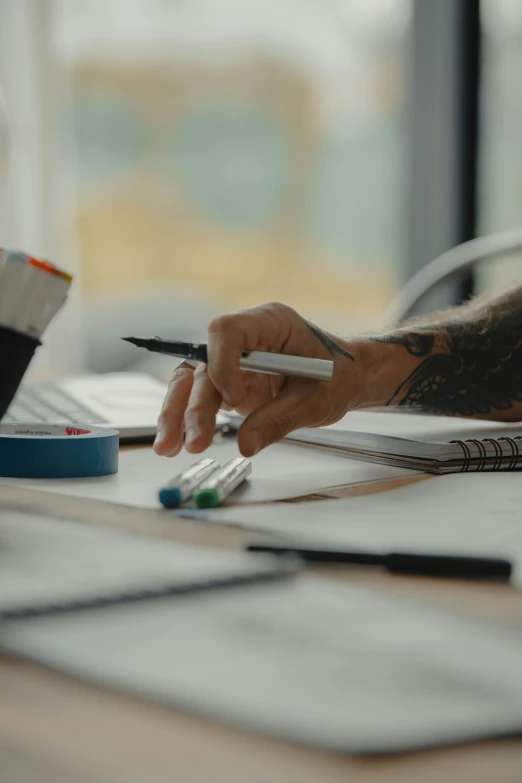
235 151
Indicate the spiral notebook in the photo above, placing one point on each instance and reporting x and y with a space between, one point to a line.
50 566
435 444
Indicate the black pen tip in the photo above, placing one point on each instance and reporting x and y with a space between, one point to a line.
139 341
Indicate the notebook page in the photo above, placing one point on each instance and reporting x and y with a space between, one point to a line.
335 666
45 561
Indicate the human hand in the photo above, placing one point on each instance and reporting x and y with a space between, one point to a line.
273 405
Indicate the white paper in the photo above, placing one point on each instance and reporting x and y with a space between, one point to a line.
278 472
45 561
414 426
307 660
465 513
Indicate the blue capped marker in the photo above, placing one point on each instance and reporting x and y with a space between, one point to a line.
181 488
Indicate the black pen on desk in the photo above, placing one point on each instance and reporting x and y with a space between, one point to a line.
418 564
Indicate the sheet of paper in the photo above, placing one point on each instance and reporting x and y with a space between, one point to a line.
468 513
45 561
340 667
415 426
279 472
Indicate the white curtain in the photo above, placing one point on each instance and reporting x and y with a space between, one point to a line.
37 187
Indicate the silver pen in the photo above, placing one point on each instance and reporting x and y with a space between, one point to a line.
255 361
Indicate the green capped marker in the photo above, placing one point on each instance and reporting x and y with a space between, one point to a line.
208 498
214 490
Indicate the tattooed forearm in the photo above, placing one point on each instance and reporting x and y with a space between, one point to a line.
331 346
471 366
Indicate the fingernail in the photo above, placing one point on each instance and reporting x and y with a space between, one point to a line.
192 434
175 451
255 441
158 438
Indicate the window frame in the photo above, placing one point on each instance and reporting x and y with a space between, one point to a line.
442 134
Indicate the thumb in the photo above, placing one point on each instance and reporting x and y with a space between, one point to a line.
296 406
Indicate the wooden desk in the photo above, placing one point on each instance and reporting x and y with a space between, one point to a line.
55 730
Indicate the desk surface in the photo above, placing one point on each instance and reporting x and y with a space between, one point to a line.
55 730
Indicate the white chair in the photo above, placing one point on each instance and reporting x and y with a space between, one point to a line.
454 263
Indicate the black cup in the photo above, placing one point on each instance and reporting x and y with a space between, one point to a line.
16 352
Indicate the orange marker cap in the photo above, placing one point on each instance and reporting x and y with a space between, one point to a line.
51 268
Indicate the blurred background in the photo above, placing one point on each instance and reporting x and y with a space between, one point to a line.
188 157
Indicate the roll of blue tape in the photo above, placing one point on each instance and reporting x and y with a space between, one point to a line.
55 451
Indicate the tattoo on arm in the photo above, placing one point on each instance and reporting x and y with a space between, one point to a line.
471 366
416 343
331 346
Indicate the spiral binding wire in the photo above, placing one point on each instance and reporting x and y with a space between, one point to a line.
481 461
498 453
514 451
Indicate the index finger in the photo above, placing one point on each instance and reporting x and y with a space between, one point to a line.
169 438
